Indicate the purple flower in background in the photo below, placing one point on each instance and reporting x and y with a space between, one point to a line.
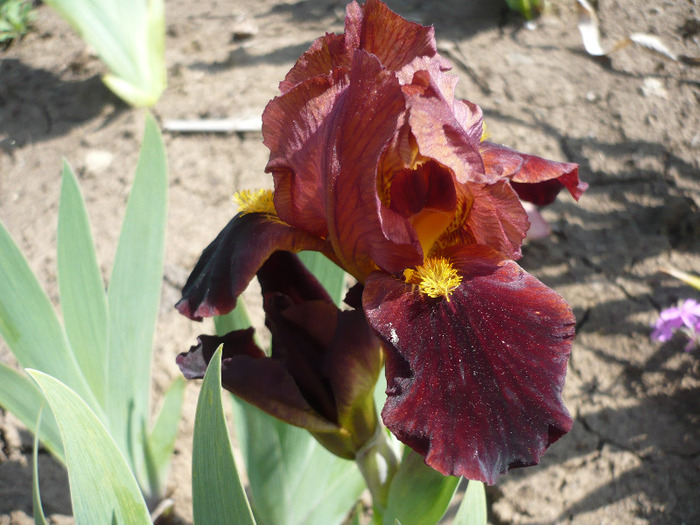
684 317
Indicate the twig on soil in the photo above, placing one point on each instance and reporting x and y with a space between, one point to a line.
232 125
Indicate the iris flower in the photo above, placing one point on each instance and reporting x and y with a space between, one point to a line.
379 167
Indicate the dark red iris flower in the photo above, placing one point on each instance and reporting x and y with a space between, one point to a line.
380 168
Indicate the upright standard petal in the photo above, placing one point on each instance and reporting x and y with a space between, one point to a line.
325 149
474 378
229 263
296 129
439 134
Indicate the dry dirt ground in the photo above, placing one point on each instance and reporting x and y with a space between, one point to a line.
632 122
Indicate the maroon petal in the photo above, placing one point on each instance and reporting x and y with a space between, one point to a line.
229 263
474 383
537 180
260 380
295 128
382 30
439 133
326 136
324 55
301 350
284 273
497 218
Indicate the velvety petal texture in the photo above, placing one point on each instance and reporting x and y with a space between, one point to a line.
380 167
323 365
247 372
229 263
474 382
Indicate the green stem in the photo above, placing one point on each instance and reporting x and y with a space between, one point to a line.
378 463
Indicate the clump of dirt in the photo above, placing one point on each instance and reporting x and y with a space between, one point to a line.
631 121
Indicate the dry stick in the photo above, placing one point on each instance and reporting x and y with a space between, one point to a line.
232 125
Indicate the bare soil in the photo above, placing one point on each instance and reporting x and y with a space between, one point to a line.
632 122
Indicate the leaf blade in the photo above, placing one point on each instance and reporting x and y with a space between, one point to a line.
129 37
472 510
161 441
103 488
293 479
20 395
22 301
418 494
39 518
217 492
83 301
134 299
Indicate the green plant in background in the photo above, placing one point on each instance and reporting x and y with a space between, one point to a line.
95 368
129 37
15 18
528 8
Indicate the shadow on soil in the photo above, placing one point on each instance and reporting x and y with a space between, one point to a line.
36 104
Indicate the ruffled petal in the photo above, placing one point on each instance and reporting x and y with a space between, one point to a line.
324 55
364 234
535 179
474 382
296 127
260 380
229 263
491 215
382 29
497 218
439 134
326 137
373 28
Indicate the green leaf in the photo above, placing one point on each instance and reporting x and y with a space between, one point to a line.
134 298
293 479
39 518
528 8
83 301
472 510
161 442
20 395
217 491
129 36
418 494
102 487
236 319
29 324
330 275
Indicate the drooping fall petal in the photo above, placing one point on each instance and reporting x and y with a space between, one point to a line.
474 382
535 179
229 263
247 372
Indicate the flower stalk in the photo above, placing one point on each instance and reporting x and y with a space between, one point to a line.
378 462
